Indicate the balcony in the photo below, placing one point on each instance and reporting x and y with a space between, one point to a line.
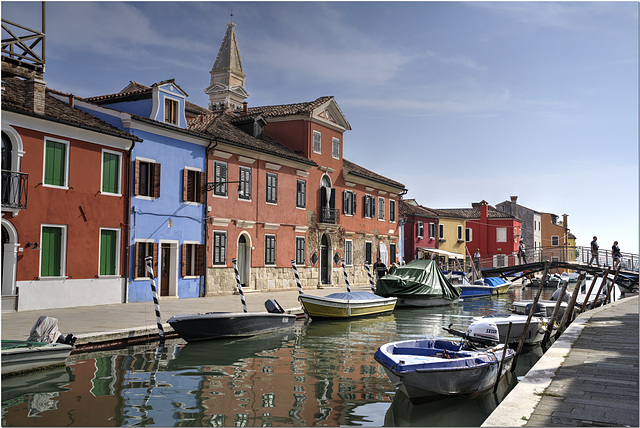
329 216
14 189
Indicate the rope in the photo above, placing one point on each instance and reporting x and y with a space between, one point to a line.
235 270
149 260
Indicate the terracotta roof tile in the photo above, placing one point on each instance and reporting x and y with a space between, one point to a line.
288 109
410 207
352 168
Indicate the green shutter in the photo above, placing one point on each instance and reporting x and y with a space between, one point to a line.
110 168
54 167
108 252
51 250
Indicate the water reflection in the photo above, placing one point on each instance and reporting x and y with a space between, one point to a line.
320 374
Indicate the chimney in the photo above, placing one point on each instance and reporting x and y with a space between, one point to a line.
245 108
72 99
565 221
514 206
34 96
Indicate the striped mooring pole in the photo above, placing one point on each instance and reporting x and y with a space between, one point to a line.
295 272
373 287
156 301
346 278
235 270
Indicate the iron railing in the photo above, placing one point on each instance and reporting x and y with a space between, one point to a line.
14 189
329 216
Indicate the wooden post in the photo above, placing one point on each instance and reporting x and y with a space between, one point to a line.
604 281
531 311
556 309
613 284
504 352
586 300
572 303
346 278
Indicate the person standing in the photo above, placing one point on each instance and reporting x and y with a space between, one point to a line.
521 253
380 268
476 259
594 251
615 253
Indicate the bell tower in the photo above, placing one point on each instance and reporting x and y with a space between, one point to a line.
226 90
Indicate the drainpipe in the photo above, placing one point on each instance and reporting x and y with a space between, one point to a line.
206 215
127 224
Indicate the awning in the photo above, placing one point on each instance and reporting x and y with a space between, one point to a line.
442 253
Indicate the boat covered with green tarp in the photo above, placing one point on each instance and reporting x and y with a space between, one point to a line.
418 283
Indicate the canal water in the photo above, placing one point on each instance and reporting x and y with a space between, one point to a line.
318 374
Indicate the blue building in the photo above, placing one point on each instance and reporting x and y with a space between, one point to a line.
167 186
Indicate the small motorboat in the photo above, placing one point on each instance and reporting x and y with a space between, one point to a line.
45 347
491 286
346 305
432 367
419 283
535 332
216 325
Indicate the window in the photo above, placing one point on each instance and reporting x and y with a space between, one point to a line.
193 259
220 178
316 142
270 249
501 234
109 251
432 230
219 248
111 172
171 111
335 148
369 206
392 210
144 250
420 229
468 235
193 185
301 194
349 202
459 233
380 208
393 255
272 187
244 188
300 250
555 240
52 250
441 232
147 178
367 253
348 252
56 160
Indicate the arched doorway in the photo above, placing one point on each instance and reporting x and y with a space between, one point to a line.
9 258
327 201
325 260
244 259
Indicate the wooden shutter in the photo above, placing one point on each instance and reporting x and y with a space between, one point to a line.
185 185
184 259
201 193
136 179
155 259
155 171
201 257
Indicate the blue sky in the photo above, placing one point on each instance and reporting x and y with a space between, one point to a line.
460 101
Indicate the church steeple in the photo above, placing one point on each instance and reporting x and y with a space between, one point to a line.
226 90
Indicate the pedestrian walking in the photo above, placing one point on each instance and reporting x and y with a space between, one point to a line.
521 253
392 268
617 256
594 251
380 268
476 259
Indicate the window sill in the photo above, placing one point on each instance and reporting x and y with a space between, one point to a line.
51 278
117 195
190 277
108 276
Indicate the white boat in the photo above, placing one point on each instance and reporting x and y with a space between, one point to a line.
22 355
346 305
535 332
432 367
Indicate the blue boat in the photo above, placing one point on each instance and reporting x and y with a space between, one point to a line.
480 288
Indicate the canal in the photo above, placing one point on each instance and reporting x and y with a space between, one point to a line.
319 374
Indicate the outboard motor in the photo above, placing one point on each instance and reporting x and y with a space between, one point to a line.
273 307
539 310
46 330
556 294
483 332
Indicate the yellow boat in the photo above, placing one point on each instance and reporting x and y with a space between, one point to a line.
346 305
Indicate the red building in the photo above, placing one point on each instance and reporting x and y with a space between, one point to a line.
420 228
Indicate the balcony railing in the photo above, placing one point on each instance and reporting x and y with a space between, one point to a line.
14 189
329 216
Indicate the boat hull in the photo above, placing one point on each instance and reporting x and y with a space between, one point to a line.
33 355
419 302
472 290
327 307
215 325
420 376
535 332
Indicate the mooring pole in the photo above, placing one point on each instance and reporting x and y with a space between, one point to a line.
154 291
504 352
235 270
568 312
586 299
556 310
602 284
613 284
373 287
531 311
295 272
346 278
